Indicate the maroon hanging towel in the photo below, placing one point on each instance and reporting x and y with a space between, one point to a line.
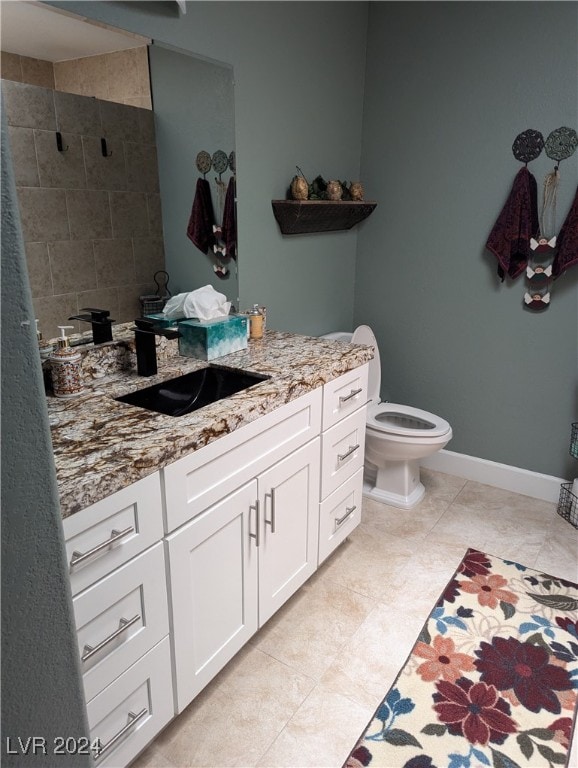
517 223
567 241
202 218
229 226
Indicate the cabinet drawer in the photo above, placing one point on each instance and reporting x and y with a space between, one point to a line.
120 618
130 712
339 514
344 395
343 449
197 481
110 532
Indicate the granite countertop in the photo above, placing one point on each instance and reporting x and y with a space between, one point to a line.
101 446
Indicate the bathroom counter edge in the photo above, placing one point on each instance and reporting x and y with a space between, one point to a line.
101 446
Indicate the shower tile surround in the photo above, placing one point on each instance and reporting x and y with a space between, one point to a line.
91 224
25 69
121 76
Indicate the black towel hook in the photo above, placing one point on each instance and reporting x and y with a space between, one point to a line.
59 146
104 148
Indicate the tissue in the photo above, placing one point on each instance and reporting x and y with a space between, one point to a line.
205 304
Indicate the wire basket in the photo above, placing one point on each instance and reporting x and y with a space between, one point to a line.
153 303
568 504
574 440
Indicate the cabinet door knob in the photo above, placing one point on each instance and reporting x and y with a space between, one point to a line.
257 534
271 522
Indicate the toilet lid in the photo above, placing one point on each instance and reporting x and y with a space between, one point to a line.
364 335
398 419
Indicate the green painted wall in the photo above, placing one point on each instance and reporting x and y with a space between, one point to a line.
448 87
298 70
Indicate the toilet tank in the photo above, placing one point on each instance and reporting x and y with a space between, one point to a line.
337 336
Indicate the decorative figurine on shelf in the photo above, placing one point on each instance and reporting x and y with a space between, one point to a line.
319 189
334 190
356 190
299 188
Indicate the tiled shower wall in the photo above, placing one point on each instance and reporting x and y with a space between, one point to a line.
25 69
121 76
92 225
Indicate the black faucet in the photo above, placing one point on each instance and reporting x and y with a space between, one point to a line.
100 321
145 341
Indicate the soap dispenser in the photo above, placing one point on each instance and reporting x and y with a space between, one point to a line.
43 346
65 367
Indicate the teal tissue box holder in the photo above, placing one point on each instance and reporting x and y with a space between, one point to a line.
162 320
212 338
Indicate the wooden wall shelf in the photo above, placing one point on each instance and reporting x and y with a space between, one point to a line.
305 216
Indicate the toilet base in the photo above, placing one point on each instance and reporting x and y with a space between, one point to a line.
397 483
394 499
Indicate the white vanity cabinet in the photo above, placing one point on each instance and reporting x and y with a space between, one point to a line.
342 458
241 557
172 575
117 566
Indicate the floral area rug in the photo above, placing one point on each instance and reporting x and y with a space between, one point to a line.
492 679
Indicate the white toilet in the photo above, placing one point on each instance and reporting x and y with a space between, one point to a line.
396 437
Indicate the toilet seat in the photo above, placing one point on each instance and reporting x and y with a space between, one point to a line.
397 439
405 421
391 418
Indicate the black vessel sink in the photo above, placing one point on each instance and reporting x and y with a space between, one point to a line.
191 391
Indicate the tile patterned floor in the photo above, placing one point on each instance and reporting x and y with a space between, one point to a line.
321 658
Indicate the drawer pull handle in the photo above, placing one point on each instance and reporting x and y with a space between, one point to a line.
133 720
80 557
271 522
345 398
348 512
124 624
257 534
343 456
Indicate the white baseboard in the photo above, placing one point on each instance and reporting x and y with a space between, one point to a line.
534 484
